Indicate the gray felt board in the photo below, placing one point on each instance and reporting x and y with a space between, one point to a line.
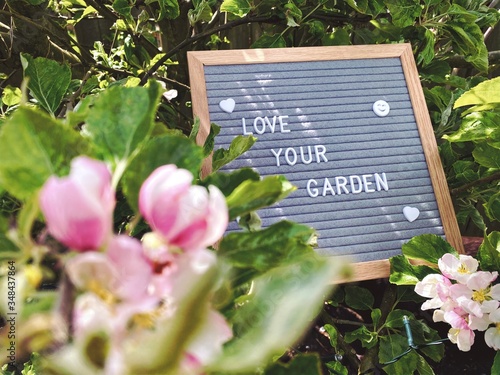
326 107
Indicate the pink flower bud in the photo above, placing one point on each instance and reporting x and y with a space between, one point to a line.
187 216
78 208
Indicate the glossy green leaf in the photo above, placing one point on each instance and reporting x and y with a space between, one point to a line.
487 155
339 37
268 248
34 146
293 15
477 126
367 338
404 273
270 41
332 333
121 119
239 8
161 150
485 93
277 303
227 182
168 9
371 7
337 367
47 80
11 96
492 207
123 8
238 146
395 318
358 298
302 364
495 368
404 12
489 252
392 346
428 247
253 195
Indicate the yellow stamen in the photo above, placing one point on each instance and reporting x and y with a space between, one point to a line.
101 292
462 269
480 295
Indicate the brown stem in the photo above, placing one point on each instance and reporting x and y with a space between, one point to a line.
481 181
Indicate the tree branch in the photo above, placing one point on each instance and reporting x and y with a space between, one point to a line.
481 181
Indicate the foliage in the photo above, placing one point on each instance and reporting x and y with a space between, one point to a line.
123 97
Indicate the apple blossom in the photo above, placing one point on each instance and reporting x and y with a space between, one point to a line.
435 287
457 268
78 208
187 216
492 334
460 333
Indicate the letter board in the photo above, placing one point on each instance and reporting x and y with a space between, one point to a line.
349 127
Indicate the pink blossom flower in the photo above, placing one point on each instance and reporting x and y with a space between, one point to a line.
492 334
457 268
460 333
78 208
435 287
121 274
207 344
477 297
187 216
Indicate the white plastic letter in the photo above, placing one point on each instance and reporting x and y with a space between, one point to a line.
308 161
255 125
283 124
367 183
327 187
287 156
313 192
277 155
341 183
320 152
381 182
244 125
354 189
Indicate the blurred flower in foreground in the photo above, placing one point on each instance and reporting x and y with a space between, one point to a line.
78 208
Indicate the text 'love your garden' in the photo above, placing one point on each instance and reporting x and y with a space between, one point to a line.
310 154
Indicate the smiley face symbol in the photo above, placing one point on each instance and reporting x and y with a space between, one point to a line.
381 108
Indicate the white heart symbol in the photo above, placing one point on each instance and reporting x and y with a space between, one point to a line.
227 105
411 213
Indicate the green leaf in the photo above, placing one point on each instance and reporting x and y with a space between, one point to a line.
423 366
367 338
395 318
11 96
428 247
392 346
404 273
122 118
274 316
208 147
370 7
270 41
487 155
34 146
123 8
492 207
477 126
332 333
227 182
253 195
358 298
495 369
262 250
168 9
489 252
337 367
467 39
161 150
48 81
302 364
239 8
293 15
404 12
238 146
484 93
376 314
339 37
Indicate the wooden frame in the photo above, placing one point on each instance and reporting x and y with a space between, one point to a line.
197 60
